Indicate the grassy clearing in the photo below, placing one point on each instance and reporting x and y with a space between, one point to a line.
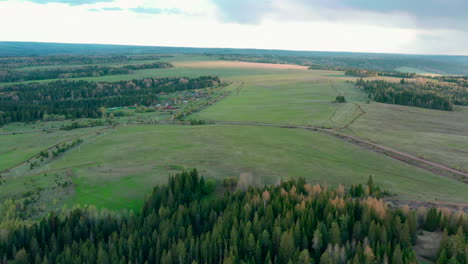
115 171
434 135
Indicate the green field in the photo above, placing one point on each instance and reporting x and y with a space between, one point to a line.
117 170
305 98
19 147
435 135
181 69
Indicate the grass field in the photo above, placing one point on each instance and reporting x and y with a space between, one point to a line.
117 170
296 98
20 147
189 69
434 135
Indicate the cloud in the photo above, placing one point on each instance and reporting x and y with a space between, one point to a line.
155 10
112 9
243 11
71 2
451 42
413 13
427 13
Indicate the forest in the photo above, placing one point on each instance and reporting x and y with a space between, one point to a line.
77 99
75 72
458 80
19 62
425 94
193 220
345 61
369 73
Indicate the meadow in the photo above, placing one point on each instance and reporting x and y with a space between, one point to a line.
118 169
434 135
115 171
16 148
305 98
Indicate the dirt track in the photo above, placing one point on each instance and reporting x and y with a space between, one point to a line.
425 164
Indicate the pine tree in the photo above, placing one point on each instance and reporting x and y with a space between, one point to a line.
335 234
304 257
287 248
21 257
397 257
442 257
317 242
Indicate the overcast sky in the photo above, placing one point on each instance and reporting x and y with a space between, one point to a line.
390 26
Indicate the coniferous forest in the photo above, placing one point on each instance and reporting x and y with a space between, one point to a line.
77 99
190 221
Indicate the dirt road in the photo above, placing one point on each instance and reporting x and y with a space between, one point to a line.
413 160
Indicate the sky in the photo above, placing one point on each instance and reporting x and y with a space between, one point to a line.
382 26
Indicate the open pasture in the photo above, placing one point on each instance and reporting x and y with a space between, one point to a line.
117 170
16 148
299 98
435 135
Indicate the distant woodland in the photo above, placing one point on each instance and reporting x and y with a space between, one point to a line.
186 221
345 61
19 62
76 99
425 94
370 73
75 72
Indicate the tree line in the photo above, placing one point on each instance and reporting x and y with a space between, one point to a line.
82 99
186 221
458 80
20 62
425 95
75 72
370 73
343 62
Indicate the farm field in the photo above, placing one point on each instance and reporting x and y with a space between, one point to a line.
305 99
117 170
434 135
193 69
20 147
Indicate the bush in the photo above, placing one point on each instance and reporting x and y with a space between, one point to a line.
340 99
